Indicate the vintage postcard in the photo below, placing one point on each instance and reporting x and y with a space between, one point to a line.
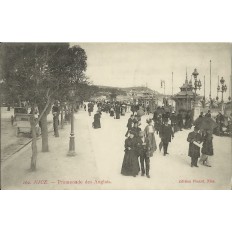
103 116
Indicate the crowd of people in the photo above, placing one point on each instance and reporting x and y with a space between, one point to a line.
140 145
114 109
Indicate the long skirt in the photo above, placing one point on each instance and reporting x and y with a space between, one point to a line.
130 164
117 115
96 124
207 148
111 113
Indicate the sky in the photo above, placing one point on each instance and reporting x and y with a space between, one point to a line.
141 64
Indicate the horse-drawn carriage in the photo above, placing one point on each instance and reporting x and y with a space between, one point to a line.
22 121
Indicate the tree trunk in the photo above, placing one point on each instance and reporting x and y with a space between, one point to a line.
44 125
33 145
62 117
44 133
20 103
55 125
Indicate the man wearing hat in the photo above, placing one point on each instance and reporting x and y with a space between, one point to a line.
166 133
142 149
201 115
194 139
220 121
130 124
208 114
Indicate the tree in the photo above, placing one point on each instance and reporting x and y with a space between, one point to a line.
39 72
113 94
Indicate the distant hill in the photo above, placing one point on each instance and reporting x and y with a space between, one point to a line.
128 89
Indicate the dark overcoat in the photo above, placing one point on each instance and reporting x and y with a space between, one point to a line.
143 147
207 147
130 123
166 133
194 150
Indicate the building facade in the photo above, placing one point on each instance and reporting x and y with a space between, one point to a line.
187 100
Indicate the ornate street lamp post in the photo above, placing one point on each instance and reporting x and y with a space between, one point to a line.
204 95
218 89
72 136
197 84
223 87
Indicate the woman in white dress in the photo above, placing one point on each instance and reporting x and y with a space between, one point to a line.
150 135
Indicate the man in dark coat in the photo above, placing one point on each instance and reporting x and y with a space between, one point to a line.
137 119
142 149
166 133
201 115
208 114
130 124
155 116
220 121
133 109
180 121
194 139
173 121
188 123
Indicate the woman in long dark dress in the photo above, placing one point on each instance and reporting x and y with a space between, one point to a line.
207 148
117 111
130 165
97 122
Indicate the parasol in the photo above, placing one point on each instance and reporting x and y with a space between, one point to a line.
205 123
198 121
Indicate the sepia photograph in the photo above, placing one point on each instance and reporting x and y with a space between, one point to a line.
123 108
116 116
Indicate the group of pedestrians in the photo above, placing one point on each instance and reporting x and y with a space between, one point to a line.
141 145
114 109
200 146
177 121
